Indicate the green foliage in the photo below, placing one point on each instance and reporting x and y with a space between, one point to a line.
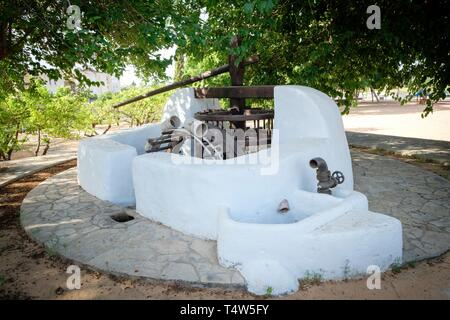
35 38
143 111
67 114
195 65
327 45
36 111
60 115
136 113
13 113
397 266
268 293
324 44
310 279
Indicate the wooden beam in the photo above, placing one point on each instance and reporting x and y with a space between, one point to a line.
182 83
237 78
236 92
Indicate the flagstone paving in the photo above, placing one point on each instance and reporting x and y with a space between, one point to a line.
13 170
78 226
436 150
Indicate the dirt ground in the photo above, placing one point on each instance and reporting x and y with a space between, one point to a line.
28 271
58 145
391 118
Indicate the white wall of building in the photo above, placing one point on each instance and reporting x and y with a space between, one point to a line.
110 83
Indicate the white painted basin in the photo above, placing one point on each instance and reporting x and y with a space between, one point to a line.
302 205
326 236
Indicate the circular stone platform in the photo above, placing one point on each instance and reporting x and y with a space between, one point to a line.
78 226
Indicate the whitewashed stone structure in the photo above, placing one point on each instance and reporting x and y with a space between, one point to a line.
235 201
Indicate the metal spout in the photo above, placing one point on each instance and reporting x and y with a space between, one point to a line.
326 180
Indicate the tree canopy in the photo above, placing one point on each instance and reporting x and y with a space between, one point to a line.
42 37
325 44
68 115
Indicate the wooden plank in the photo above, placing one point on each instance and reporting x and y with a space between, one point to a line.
233 92
204 75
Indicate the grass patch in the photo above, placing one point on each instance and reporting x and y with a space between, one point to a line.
51 247
268 293
310 279
397 266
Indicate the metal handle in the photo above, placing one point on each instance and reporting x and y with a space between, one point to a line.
338 176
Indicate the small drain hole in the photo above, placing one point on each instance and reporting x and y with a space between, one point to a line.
122 217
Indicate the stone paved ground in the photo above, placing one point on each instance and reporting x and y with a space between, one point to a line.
418 198
78 226
24 162
428 149
15 169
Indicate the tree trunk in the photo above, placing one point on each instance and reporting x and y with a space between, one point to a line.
180 60
95 131
36 152
10 151
236 74
237 79
16 138
107 129
374 94
3 40
47 146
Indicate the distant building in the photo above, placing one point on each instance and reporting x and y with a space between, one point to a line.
110 83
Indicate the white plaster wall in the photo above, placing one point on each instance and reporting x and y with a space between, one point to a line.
302 112
277 255
104 162
53 85
184 105
186 196
110 82
134 137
